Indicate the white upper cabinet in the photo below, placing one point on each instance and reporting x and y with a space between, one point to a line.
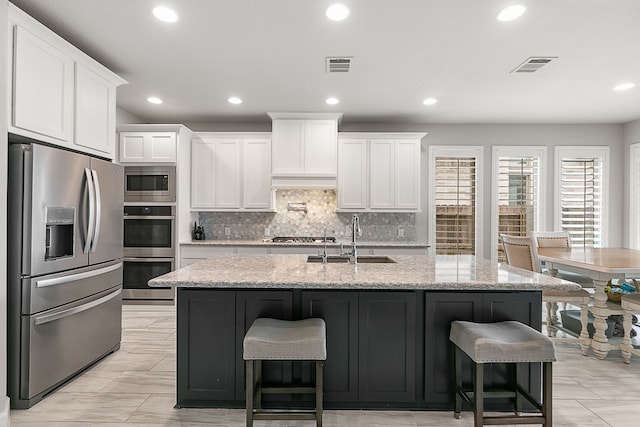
148 147
231 171
352 173
257 192
304 149
59 95
379 172
42 87
95 112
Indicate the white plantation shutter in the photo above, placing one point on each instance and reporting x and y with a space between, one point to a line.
518 187
581 204
455 204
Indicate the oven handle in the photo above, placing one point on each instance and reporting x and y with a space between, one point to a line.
46 318
148 217
138 259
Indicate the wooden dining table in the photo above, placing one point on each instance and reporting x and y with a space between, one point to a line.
602 265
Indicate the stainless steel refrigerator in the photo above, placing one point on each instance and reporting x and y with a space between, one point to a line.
64 279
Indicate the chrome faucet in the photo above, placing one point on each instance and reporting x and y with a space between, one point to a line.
324 249
355 229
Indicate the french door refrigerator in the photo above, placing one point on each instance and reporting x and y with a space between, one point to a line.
64 270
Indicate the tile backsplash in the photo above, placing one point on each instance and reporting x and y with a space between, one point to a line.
320 215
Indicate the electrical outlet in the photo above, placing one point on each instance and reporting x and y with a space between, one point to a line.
227 231
400 232
267 232
347 231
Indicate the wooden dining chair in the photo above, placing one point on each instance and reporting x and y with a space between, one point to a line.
560 239
522 252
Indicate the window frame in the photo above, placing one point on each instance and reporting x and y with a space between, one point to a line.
499 151
634 196
581 151
456 151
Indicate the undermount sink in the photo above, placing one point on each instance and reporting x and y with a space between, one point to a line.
365 259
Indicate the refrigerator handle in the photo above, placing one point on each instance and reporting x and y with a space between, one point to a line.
98 210
92 202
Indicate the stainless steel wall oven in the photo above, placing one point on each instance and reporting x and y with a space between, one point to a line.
149 251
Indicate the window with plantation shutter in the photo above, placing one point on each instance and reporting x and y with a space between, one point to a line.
581 178
517 180
634 197
454 200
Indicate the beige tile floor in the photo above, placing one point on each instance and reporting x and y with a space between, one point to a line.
135 387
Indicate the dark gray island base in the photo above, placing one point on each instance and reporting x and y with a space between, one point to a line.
385 349
387 325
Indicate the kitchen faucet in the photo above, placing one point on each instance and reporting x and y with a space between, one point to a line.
355 229
324 250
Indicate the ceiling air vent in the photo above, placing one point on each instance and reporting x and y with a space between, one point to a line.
339 64
533 63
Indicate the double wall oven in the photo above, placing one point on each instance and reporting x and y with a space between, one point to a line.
149 232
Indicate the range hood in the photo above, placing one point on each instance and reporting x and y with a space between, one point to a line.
304 150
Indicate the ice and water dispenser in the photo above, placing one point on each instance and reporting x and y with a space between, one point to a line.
60 226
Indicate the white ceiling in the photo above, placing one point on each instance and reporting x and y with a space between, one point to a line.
271 53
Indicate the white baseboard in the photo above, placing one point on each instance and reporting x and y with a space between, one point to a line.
4 415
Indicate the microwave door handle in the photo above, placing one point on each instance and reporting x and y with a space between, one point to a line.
98 211
92 219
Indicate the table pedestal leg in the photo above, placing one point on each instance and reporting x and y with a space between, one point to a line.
600 342
625 348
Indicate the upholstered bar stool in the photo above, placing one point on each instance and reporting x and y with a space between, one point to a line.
272 339
630 305
502 342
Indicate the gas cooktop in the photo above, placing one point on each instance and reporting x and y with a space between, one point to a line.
302 239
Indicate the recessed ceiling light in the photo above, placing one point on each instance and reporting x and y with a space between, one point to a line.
429 101
512 12
332 101
624 86
165 14
234 100
154 100
337 12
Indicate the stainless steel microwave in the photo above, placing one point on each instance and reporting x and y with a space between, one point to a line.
150 184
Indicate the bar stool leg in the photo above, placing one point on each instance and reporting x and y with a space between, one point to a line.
516 382
319 392
249 387
457 375
258 383
478 394
547 395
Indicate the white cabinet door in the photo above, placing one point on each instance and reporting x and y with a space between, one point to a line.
288 147
352 174
257 174
148 147
43 87
203 163
407 174
382 174
94 112
227 173
320 147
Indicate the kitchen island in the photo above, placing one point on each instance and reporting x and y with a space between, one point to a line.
387 323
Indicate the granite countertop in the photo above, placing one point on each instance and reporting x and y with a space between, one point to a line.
410 272
269 243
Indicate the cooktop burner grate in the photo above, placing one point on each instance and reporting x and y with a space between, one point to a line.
302 239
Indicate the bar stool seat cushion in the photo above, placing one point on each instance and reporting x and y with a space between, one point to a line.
502 342
286 340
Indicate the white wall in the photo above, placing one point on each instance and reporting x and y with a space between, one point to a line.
546 135
4 408
631 136
125 117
